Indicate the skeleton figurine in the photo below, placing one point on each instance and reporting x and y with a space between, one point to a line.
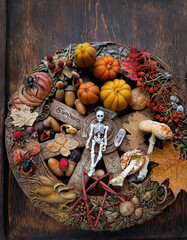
98 130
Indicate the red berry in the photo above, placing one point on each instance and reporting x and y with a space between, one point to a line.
141 74
152 72
60 64
154 95
157 86
158 116
166 91
58 70
152 104
155 108
170 86
69 63
50 58
153 75
174 115
176 119
147 89
170 121
162 119
18 135
158 70
51 66
179 116
142 88
178 112
151 90
140 79
64 164
139 83
166 119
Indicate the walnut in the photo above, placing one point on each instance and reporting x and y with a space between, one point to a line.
139 98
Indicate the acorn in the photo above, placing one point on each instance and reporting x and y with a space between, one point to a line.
53 165
135 201
126 208
138 212
59 84
59 95
75 156
80 106
70 96
51 122
99 173
71 168
147 196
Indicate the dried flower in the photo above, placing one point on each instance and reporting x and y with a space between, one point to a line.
18 135
64 164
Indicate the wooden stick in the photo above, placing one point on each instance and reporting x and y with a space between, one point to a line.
107 187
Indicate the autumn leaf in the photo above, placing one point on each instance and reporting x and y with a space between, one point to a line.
131 67
170 166
135 55
136 136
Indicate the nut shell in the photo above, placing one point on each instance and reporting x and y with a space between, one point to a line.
80 106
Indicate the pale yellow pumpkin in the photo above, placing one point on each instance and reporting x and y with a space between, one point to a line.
116 95
85 55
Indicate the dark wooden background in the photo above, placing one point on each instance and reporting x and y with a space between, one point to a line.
31 29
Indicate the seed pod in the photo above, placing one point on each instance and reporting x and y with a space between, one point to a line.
80 106
48 181
70 96
53 165
70 195
59 95
147 196
135 201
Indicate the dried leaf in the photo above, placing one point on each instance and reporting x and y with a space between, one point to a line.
71 144
170 166
136 136
53 147
65 151
60 138
131 67
23 117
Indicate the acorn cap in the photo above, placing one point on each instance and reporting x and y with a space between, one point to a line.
69 88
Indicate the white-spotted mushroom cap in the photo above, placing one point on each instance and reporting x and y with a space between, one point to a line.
160 130
129 156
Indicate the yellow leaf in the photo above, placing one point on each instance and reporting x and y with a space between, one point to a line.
170 166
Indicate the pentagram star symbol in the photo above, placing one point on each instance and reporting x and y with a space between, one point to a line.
84 197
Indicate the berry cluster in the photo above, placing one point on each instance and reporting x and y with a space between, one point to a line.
177 135
59 66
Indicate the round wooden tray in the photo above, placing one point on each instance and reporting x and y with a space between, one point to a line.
151 197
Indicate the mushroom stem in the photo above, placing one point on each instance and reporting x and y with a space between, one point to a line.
118 181
152 141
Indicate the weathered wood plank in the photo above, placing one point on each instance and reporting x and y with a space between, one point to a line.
46 154
112 163
66 114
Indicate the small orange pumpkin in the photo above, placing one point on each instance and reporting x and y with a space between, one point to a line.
88 93
85 55
106 68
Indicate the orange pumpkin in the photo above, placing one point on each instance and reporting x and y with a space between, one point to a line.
106 68
84 55
35 95
88 93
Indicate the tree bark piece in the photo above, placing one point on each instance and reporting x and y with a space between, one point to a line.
66 114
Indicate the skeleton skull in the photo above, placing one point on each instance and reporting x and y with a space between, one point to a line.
100 116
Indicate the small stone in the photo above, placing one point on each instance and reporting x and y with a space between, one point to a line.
180 108
174 99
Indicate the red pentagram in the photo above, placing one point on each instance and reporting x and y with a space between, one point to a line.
84 197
